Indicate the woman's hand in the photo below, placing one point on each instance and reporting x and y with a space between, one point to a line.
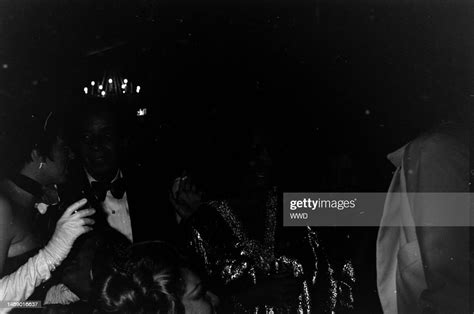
72 224
20 284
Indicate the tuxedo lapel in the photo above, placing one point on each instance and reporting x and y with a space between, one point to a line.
150 212
78 187
139 200
151 216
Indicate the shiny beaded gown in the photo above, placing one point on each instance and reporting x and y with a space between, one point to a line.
233 260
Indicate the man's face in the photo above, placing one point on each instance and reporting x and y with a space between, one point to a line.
99 145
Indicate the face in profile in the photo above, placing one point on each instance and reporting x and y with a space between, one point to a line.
99 145
55 168
196 298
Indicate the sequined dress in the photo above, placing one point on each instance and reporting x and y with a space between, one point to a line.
233 260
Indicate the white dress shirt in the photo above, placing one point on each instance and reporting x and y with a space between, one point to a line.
118 215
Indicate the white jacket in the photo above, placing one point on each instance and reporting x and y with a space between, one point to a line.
425 268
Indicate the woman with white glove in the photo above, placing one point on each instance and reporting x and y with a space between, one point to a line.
34 159
19 285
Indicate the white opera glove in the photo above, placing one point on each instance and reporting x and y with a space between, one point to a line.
70 226
19 285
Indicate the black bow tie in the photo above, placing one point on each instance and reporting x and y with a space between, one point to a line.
117 188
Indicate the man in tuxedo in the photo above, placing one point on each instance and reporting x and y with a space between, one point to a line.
125 193
130 197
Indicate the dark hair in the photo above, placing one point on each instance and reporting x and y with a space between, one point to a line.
23 132
149 281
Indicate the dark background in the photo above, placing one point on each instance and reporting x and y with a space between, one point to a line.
332 80
335 85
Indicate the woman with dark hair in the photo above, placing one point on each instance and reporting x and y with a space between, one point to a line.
34 157
154 278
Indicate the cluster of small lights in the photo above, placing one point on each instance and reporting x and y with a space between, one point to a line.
141 112
111 86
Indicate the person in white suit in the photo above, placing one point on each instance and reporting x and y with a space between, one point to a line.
423 268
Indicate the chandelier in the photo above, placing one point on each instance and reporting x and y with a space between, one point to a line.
111 85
